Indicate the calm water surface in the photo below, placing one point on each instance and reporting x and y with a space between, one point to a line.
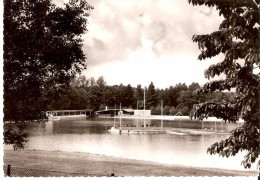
91 136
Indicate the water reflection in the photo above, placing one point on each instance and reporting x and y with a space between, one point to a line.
71 127
91 136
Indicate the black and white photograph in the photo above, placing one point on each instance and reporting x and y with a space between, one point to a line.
131 88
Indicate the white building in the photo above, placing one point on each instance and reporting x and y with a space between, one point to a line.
142 112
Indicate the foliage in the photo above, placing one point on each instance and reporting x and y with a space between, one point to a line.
101 82
42 49
108 97
42 53
238 39
15 136
174 93
81 95
95 97
151 96
139 97
128 96
139 92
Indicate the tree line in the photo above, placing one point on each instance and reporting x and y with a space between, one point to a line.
91 93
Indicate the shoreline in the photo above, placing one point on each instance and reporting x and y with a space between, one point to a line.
102 165
167 130
164 117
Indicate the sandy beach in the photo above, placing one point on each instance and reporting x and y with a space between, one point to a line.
98 165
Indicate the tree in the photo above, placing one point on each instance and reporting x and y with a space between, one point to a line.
128 96
238 39
80 82
173 96
151 97
109 98
164 95
139 96
194 86
188 98
101 82
42 54
95 97
117 94
92 81
139 92
174 93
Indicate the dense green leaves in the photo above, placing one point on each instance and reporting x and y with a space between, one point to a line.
238 39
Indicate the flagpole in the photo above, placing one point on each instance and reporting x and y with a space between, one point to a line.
120 116
161 114
144 107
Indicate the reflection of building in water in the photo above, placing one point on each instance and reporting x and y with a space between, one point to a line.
115 112
141 122
49 127
123 112
76 127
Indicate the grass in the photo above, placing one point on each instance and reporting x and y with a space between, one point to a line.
104 165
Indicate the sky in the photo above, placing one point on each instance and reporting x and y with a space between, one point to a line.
143 41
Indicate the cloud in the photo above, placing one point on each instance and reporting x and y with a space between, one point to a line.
120 25
130 35
115 28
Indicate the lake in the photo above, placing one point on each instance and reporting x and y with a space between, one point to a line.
92 136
